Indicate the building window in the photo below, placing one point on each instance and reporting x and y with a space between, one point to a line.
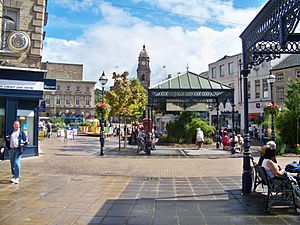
78 88
68 88
265 88
143 77
249 89
87 89
58 100
68 100
87 100
58 87
230 68
297 74
47 99
280 93
213 72
9 23
279 76
77 100
257 88
222 70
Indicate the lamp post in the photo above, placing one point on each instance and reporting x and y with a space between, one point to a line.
271 81
103 80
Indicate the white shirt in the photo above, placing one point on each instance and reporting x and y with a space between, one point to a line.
14 139
267 168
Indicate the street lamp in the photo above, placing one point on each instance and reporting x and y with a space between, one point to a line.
271 79
103 80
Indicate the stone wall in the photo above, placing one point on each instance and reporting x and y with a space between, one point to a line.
32 19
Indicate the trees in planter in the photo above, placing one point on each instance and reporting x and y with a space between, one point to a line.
183 128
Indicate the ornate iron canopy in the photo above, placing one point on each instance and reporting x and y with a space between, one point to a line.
188 89
272 32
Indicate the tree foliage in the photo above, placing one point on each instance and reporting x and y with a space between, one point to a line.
183 128
288 120
127 98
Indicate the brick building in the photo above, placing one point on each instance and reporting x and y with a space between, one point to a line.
73 95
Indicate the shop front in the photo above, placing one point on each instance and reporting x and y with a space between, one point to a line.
20 93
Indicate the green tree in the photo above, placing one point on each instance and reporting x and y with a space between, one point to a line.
138 102
127 98
288 120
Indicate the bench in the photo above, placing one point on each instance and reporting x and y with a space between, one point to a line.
256 179
280 189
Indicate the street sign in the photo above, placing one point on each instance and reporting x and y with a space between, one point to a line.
42 107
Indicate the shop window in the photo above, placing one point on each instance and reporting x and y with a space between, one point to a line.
26 118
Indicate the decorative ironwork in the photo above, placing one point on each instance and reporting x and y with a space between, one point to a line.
271 33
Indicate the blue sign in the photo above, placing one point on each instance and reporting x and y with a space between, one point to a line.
42 107
50 84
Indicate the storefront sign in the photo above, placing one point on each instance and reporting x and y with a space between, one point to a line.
50 84
21 85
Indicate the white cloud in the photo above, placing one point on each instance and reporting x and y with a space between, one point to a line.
118 39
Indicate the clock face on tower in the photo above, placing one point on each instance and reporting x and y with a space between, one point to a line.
143 63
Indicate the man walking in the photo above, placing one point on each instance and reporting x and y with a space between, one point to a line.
15 142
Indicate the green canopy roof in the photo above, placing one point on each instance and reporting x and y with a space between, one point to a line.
190 88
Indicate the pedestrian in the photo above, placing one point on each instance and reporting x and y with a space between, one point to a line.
199 138
49 129
15 142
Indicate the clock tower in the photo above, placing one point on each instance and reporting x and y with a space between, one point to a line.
143 70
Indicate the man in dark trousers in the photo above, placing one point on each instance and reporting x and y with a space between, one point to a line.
15 142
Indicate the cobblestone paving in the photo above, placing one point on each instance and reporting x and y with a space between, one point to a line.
70 184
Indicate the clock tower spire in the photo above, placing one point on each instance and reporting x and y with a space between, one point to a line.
143 70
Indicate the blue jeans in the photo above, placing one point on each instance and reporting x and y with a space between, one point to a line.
15 161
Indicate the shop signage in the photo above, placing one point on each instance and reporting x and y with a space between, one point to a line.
21 85
49 84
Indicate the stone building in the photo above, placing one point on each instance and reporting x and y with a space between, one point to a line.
227 71
21 79
73 95
285 71
143 70
22 32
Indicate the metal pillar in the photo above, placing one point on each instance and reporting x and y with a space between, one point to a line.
148 141
102 139
233 140
272 114
246 177
218 128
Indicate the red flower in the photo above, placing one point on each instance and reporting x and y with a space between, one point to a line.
102 104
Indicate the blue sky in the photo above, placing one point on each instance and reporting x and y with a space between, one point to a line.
102 34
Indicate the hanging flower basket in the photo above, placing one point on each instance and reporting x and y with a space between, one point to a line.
271 109
102 107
